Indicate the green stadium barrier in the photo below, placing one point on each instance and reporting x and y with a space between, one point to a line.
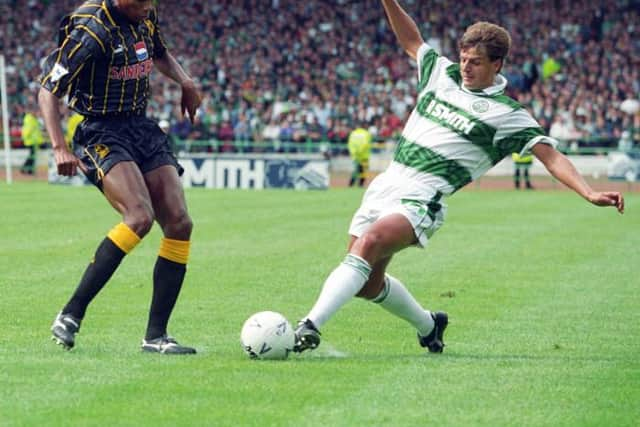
583 146
586 146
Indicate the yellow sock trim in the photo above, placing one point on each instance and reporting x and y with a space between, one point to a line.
175 250
123 237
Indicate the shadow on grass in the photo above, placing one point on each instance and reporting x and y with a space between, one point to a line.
552 356
452 357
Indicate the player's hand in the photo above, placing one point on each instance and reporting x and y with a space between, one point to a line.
608 198
191 99
66 162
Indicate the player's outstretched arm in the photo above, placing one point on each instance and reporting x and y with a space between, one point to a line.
66 162
563 170
404 27
191 97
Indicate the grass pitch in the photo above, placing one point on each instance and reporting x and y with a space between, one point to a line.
541 289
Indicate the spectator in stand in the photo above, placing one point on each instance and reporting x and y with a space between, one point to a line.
286 133
182 128
242 132
315 131
271 135
391 125
199 131
299 134
338 135
564 130
226 137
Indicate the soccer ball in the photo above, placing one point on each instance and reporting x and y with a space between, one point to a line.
267 335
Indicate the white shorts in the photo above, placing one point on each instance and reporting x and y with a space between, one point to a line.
390 193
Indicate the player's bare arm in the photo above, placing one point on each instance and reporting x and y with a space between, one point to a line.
563 170
404 27
66 162
191 97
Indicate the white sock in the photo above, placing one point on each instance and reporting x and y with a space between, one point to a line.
342 285
397 300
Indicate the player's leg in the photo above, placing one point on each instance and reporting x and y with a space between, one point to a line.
388 292
355 173
125 189
391 294
385 237
395 298
29 164
526 178
170 207
516 177
364 169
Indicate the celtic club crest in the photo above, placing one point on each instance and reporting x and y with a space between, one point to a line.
480 106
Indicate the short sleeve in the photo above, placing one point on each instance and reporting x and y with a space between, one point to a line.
77 44
430 65
159 45
519 133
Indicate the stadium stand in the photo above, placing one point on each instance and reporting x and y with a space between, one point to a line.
305 72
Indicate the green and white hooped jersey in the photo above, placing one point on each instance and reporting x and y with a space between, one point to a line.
455 135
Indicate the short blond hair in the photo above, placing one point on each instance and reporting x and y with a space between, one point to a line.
494 39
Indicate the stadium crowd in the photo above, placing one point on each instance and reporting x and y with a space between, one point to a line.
285 70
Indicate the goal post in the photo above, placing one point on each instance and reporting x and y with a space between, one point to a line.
5 120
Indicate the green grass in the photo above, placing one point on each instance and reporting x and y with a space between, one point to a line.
541 288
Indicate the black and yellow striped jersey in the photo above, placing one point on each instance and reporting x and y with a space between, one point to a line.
103 60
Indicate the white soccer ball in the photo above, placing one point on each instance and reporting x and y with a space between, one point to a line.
267 335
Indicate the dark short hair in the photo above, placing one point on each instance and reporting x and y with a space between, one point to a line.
494 39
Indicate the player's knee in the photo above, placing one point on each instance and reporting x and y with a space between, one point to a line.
179 226
185 224
369 246
140 220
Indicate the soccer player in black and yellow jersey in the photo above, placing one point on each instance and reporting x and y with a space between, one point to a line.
106 52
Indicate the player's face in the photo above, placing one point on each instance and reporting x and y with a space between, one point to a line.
135 10
478 70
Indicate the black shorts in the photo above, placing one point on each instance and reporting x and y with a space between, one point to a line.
101 143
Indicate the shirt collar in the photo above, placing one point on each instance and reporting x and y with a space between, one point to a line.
499 84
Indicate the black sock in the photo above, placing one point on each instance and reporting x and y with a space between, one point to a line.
106 260
167 282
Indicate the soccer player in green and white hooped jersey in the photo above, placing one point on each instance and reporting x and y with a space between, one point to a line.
461 126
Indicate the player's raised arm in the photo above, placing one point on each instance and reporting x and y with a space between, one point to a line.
404 27
562 169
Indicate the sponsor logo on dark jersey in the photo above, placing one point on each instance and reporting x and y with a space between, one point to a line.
130 72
